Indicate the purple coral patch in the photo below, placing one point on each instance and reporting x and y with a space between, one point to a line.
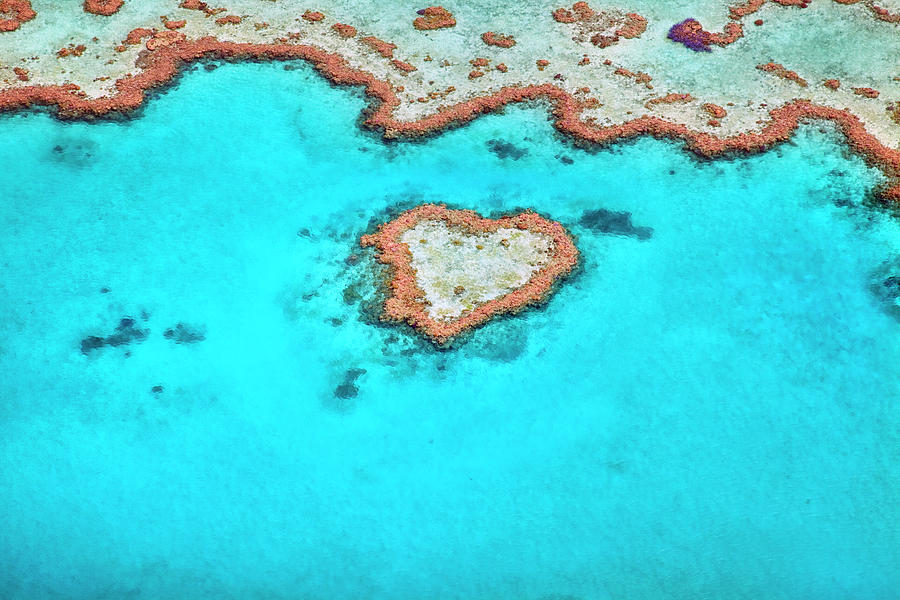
691 33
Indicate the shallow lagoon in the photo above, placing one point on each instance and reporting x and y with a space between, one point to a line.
707 411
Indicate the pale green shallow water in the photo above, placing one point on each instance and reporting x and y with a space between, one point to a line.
707 413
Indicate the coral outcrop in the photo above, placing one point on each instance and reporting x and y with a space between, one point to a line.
13 13
105 8
452 270
434 17
603 28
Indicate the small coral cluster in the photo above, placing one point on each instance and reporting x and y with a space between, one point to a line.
498 39
434 17
691 33
13 13
782 72
602 27
103 7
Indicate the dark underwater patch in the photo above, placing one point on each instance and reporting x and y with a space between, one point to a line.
73 152
504 149
183 333
886 287
348 388
342 398
891 285
504 340
613 223
126 333
351 293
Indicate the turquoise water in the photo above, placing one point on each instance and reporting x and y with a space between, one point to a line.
709 411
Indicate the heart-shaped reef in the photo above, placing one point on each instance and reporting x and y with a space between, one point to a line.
453 269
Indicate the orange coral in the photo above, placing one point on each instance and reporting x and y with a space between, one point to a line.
403 66
405 302
602 28
434 17
13 13
714 110
345 31
164 38
634 26
865 91
498 39
386 49
103 7
163 64
135 36
669 99
72 50
201 6
779 70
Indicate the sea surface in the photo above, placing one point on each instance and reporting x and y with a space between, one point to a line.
198 401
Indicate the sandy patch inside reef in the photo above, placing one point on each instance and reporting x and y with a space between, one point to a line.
459 270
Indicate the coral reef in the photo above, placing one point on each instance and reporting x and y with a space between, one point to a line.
714 110
229 20
782 72
672 98
168 51
691 33
13 13
602 27
866 92
436 313
201 6
103 7
498 39
71 50
639 77
402 66
434 17
343 30
386 49
135 36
